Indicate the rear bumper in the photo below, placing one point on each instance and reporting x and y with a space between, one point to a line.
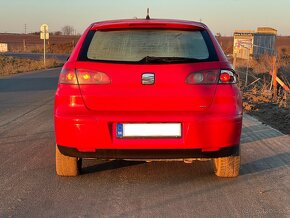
149 154
95 133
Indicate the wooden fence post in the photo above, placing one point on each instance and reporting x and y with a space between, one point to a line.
274 76
235 61
24 45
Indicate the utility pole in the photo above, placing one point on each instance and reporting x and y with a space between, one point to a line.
24 41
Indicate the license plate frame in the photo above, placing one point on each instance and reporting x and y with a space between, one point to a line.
148 130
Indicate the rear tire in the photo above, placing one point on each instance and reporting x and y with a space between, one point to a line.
65 165
227 166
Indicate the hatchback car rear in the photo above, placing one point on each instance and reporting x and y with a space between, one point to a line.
148 90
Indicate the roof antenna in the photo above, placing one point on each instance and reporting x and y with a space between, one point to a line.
147 17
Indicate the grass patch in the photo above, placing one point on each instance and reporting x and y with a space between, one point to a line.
12 65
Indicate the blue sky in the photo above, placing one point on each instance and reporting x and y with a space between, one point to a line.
222 16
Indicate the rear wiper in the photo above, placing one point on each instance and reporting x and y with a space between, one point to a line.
152 59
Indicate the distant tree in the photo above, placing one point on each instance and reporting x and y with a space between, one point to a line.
57 33
68 30
34 33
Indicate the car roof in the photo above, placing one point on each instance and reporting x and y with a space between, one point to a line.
147 23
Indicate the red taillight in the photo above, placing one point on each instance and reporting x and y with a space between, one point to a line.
86 77
67 76
227 76
203 77
83 77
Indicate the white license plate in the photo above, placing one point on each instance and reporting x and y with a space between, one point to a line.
148 130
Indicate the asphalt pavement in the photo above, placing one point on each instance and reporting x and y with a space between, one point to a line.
30 188
37 56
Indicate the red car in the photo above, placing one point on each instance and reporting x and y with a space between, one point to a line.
148 89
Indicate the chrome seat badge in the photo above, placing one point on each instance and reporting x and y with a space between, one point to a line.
148 78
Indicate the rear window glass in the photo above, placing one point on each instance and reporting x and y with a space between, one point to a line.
135 45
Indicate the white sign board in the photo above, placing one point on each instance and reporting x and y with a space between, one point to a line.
3 47
44 35
240 44
44 28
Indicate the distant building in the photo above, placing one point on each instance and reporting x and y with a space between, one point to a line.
249 43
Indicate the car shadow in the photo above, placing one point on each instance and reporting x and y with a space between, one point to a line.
266 163
109 165
258 132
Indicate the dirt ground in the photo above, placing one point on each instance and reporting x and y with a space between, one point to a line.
258 101
273 114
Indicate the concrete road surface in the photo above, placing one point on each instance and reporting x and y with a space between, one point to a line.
30 188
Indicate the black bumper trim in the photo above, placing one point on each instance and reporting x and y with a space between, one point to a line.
119 154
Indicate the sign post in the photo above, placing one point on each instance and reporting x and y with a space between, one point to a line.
237 48
44 34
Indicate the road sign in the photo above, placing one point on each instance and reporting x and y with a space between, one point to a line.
44 31
44 28
44 35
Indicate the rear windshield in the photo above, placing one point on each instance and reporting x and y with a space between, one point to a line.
148 45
